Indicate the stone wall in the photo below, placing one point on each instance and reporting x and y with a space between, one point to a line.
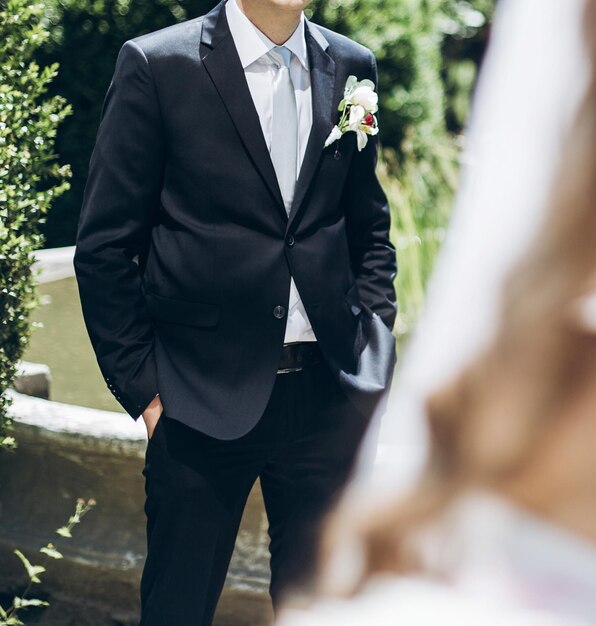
97 583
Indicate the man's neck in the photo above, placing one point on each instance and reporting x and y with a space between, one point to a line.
277 24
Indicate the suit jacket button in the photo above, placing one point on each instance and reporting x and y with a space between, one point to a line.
290 241
279 312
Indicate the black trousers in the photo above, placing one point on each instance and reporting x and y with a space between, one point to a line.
302 450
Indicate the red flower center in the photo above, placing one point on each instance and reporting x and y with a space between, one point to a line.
369 120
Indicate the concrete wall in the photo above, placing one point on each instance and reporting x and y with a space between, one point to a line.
66 452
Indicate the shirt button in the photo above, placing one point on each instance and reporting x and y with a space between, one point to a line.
290 241
279 312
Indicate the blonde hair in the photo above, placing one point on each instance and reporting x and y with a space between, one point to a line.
540 344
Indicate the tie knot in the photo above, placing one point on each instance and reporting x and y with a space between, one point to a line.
281 55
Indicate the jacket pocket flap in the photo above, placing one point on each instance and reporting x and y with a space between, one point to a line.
185 312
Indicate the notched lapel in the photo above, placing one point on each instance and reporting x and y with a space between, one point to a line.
220 59
323 79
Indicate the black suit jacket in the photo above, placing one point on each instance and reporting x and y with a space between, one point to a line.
184 249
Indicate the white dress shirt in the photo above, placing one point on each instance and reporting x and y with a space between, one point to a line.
260 71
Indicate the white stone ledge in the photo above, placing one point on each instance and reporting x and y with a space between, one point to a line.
54 263
70 419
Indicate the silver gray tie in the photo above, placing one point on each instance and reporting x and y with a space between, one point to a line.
284 137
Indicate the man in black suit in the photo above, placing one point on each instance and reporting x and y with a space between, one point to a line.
236 278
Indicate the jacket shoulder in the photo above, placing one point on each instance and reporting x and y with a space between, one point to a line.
171 40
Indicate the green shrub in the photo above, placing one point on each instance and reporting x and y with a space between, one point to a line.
29 175
405 36
85 37
421 199
420 155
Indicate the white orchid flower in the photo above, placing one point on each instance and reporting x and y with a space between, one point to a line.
365 97
357 109
357 115
351 84
362 139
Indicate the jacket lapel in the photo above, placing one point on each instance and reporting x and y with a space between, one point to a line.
322 76
220 59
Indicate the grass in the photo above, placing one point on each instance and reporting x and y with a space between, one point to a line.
420 192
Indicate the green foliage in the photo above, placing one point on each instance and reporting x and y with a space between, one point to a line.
421 88
466 32
418 232
405 37
10 616
420 199
85 37
30 178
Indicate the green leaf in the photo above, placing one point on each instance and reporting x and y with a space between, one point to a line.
20 603
51 552
32 570
64 532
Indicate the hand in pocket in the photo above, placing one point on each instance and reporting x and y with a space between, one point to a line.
152 415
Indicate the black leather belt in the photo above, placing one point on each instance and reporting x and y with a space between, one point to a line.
296 356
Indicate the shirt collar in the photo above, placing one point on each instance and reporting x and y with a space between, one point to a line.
252 44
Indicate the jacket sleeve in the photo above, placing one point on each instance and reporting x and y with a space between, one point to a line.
120 206
372 254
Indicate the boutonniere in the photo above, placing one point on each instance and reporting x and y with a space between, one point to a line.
358 108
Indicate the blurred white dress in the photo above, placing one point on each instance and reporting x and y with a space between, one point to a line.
534 78
497 566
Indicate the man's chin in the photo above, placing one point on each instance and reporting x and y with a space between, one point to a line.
289 5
